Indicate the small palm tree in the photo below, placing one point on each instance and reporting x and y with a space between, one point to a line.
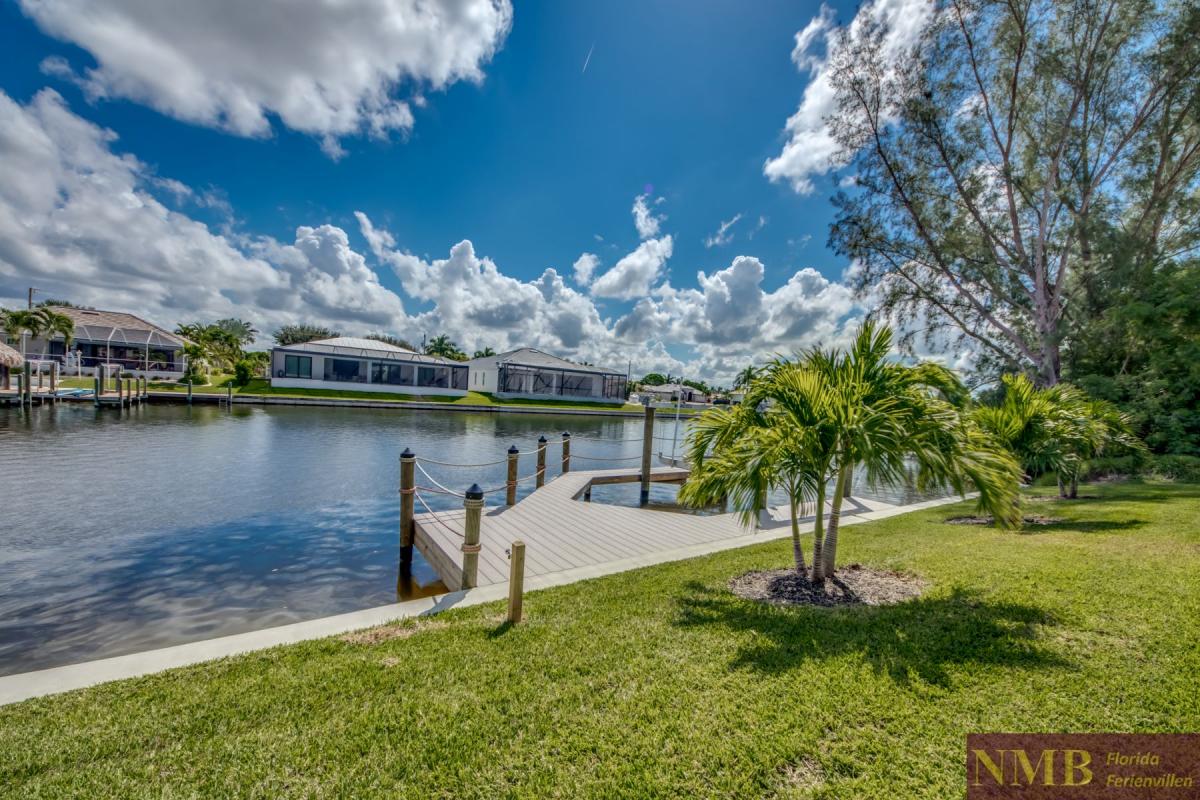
484 353
21 322
1055 429
830 413
243 331
739 455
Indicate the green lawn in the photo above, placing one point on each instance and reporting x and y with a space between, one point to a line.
660 683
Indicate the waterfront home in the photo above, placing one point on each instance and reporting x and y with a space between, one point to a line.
365 365
670 392
531 374
115 338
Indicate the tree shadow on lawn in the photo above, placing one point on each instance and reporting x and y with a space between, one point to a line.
1082 526
914 640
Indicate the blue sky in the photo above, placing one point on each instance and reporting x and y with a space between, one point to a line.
533 160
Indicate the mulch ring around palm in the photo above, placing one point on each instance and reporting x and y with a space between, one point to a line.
852 585
1029 519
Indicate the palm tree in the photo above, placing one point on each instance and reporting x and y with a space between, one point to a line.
1055 429
832 412
442 346
19 322
740 454
745 377
242 330
55 323
484 353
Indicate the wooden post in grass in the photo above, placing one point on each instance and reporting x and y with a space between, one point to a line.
516 581
510 487
473 503
408 487
541 463
566 464
647 450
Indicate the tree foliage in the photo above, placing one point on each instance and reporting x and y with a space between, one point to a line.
1023 151
301 333
394 341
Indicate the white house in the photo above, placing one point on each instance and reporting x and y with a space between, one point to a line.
670 392
532 374
365 365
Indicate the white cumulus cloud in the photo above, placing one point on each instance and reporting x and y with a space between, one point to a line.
330 68
811 148
634 275
644 220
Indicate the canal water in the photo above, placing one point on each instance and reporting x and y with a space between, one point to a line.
125 531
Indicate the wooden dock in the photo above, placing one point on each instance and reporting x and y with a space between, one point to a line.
561 531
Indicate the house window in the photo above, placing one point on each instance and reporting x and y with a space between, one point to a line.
435 377
393 374
297 366
344 370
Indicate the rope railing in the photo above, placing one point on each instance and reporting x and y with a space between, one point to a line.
483 464
599 458
433 515
438 484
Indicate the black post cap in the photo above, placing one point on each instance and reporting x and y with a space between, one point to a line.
475 492
542 439
512 451
408 454
566 434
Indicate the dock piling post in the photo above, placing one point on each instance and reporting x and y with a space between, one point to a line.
408 488
566 462
54 380
98 385
189 391
27 397
647 450
516 581
21 389
510 491
229 396
473 503
541 463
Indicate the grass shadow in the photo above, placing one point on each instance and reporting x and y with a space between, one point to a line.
914 641
501 629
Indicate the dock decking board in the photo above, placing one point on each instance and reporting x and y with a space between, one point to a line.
561 532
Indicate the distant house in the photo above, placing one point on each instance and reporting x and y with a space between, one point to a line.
112 337
670 392
532 374
365 365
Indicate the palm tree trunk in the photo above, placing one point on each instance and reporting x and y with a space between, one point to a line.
835 517
1062 486
797 548
1074 486
818 563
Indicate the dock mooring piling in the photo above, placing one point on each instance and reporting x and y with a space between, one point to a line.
566 461
516 581
510 486
647 452
540 481
408 486
473 503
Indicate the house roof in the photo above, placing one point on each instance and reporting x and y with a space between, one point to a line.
363 348
117 327
529 357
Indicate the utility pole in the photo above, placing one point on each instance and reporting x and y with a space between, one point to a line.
31 291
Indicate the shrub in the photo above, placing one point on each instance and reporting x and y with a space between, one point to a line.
243 371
